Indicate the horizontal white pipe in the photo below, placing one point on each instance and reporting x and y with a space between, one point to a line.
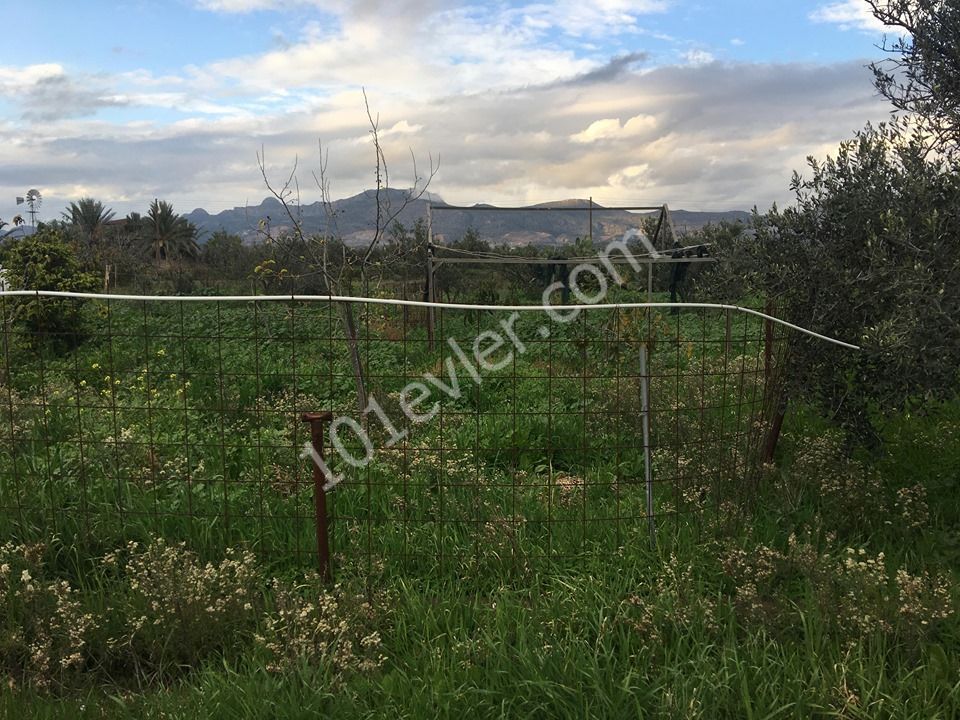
417 303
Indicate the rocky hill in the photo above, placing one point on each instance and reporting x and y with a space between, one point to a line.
546 224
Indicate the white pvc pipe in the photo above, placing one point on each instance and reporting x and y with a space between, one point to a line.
419 303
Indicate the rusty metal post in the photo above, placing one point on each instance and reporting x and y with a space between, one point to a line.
316 422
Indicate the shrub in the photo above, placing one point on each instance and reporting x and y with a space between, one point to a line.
175 610
44 629
848 493
156 612
46 261
671 605
311 625
854 591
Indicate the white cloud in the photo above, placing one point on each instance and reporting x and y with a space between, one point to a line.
572 17
713 136
402 128
382 8
472 46
610 129
14 79
848 15
596 18
245 6
630 178
598 130
737 42
514 112
46 92
469 51
698 57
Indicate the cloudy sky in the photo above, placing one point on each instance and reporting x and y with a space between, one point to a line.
700 104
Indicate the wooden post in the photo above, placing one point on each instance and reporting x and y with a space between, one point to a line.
773 432
656 233
778 403
669 217
768 344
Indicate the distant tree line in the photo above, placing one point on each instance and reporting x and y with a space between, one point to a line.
161 251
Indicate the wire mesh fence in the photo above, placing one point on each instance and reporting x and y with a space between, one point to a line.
514 436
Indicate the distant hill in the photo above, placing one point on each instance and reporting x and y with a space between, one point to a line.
355 217
16 233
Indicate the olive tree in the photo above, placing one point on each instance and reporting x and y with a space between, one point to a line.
921 72
868 254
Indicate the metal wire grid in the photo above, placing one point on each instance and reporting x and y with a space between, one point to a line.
184 420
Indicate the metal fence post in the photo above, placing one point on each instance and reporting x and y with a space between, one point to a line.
645 422
430 294
316 422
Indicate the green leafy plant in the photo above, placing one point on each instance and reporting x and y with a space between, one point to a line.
866 254
47 261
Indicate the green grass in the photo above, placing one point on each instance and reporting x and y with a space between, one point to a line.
561 645
140 432
486 616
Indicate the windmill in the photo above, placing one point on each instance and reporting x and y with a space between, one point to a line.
33 200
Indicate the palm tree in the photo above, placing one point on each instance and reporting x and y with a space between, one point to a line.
133 223
130 238
169 234
89 216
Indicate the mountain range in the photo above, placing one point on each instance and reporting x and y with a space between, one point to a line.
354 218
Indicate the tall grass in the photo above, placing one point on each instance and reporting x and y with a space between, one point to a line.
760 618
